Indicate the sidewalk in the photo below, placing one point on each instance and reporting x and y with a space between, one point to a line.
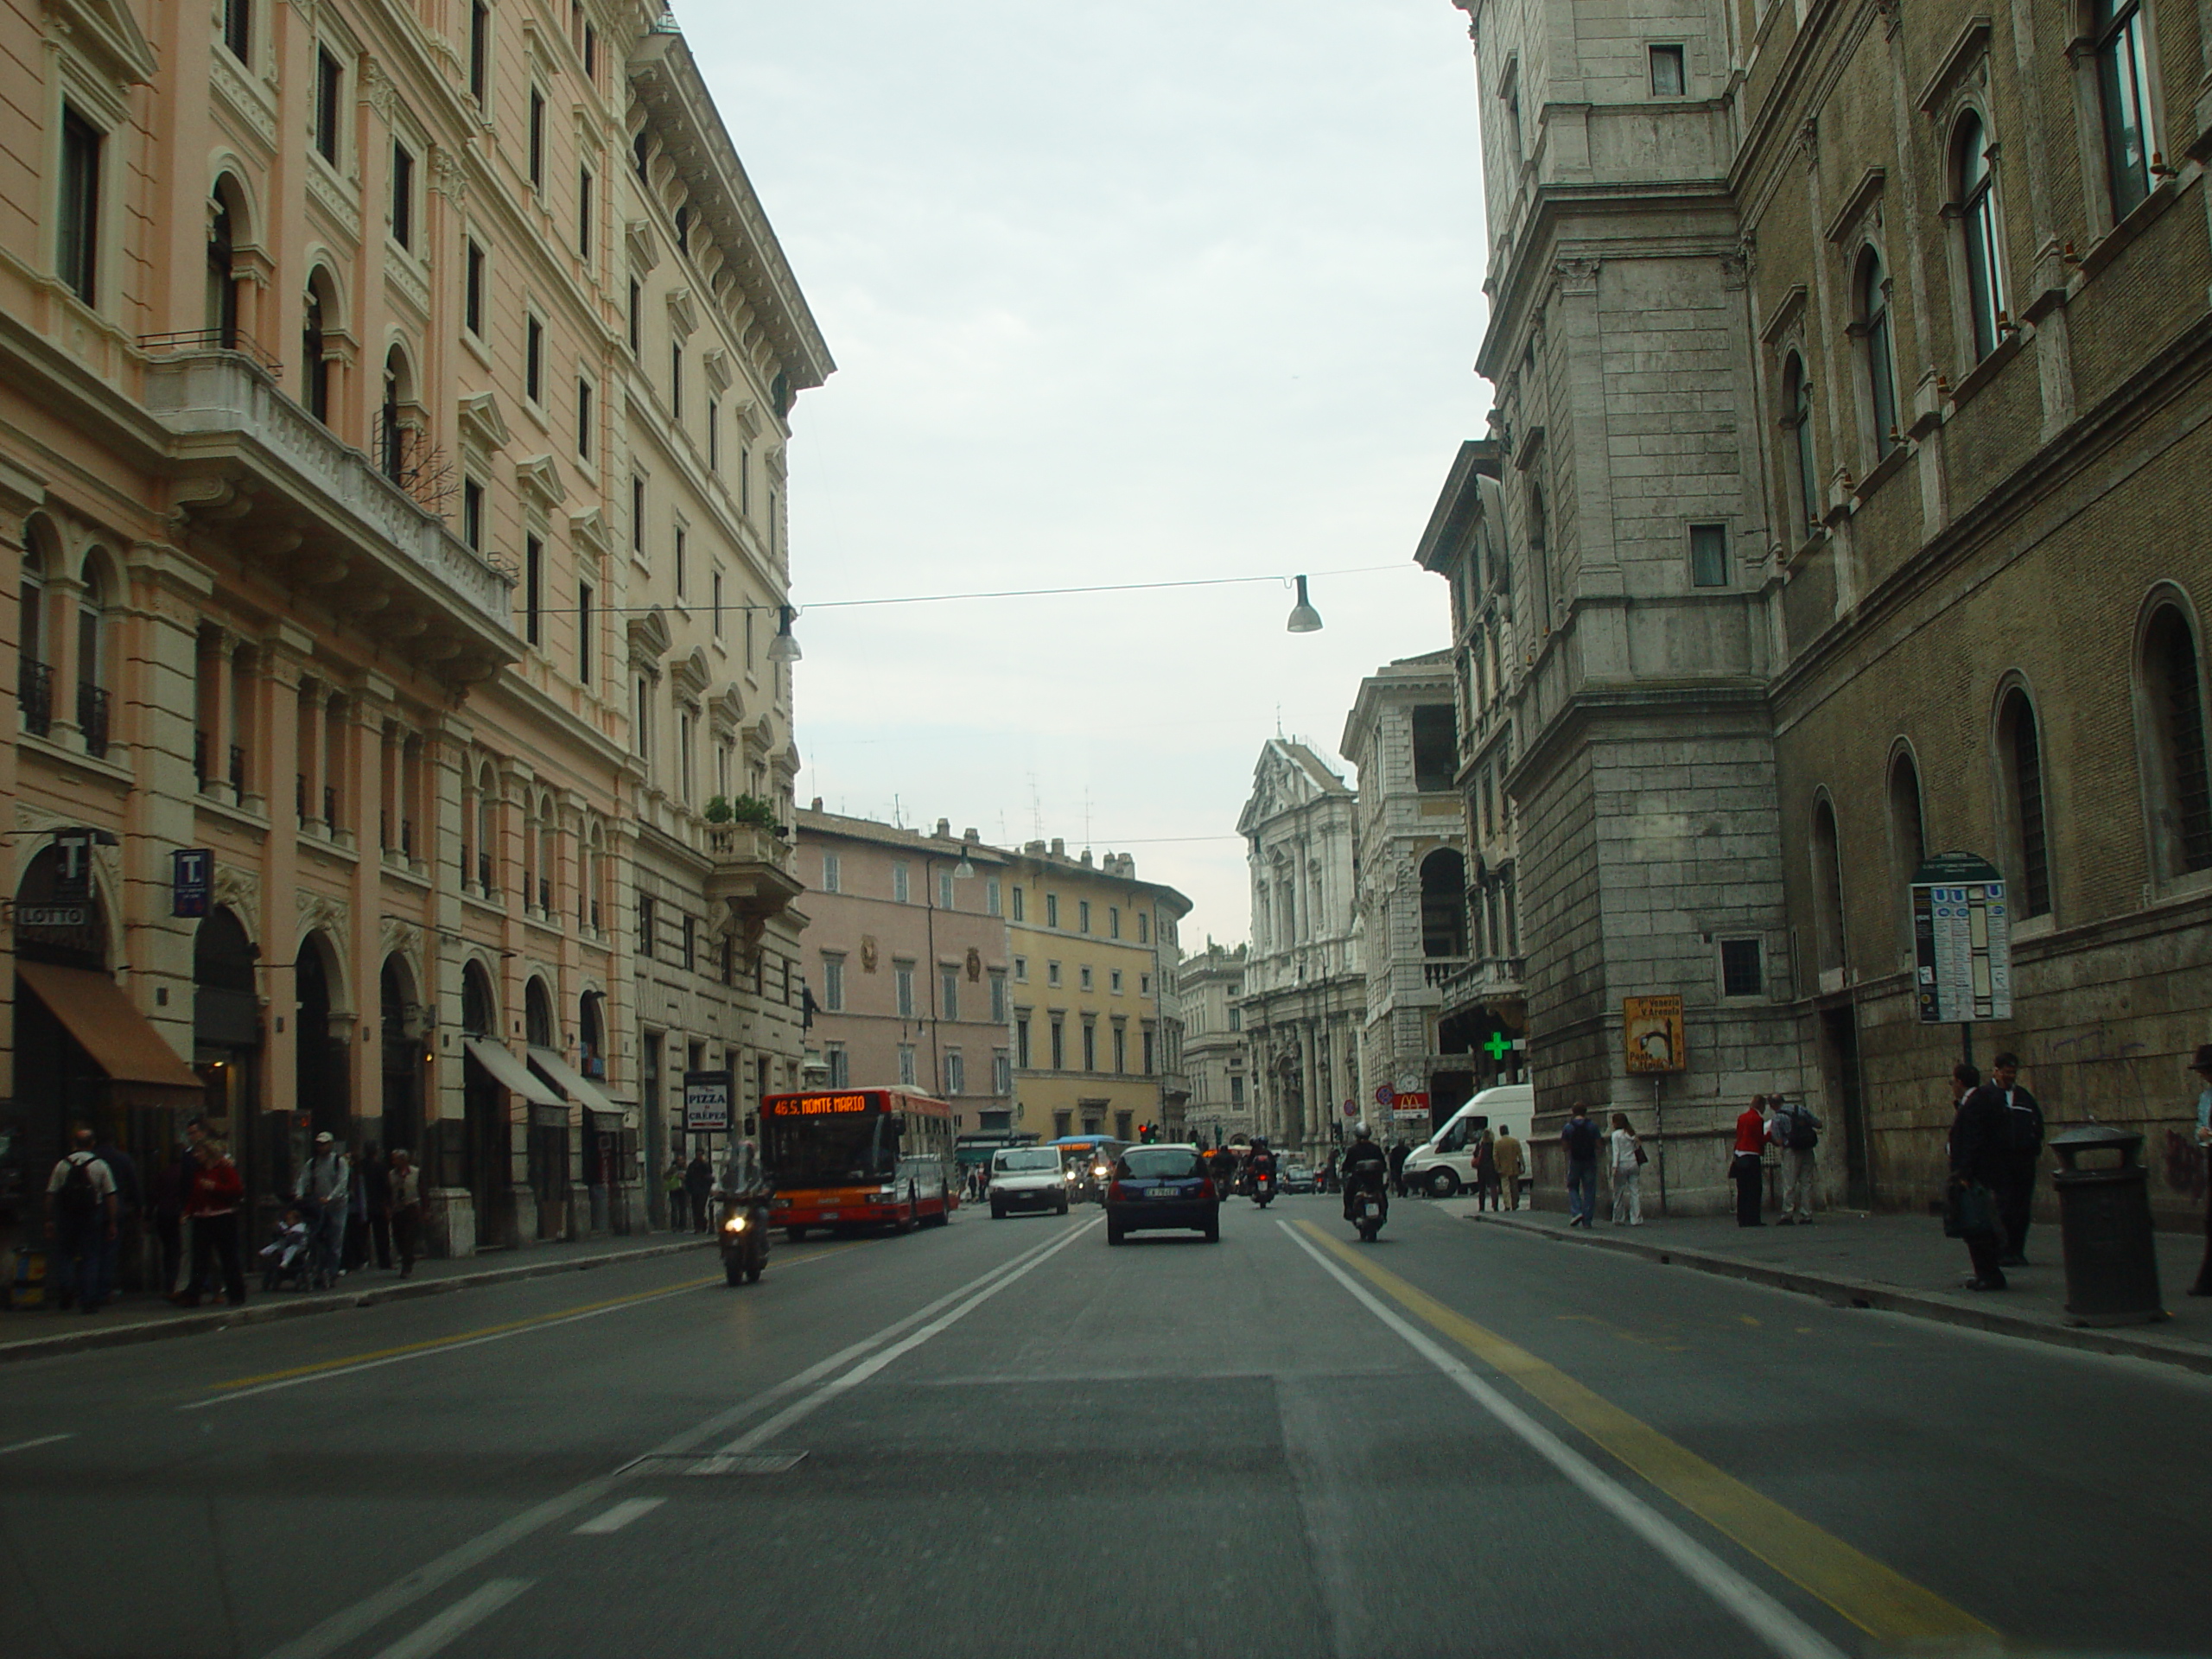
1903 1264
35 1333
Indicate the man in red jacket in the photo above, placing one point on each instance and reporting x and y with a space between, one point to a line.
1747 1163
212 1209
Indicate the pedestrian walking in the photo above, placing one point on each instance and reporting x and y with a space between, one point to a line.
377 1172
1581 1138
1797 1131
1486 1170
322 1192
699 1183
2203 1066
81 1219
1625 1156
130 1212
212 1209
1979 1164
2016 1195
1505 1152
1747 1161
406 1209
1399 1152
679 1201
166 1193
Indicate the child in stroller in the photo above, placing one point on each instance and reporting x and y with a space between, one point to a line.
286 1254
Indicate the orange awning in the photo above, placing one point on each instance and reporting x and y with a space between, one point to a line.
121 1040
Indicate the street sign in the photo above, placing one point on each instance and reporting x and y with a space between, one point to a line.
1384 1094
73 866
1962 940
191 876
1351 1108
706 1101
54 916
1498 1045
1651 1029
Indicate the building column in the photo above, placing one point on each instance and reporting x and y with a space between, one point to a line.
312 748
64 597
216 646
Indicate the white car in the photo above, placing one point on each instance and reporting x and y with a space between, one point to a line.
1027 1177
1445 1162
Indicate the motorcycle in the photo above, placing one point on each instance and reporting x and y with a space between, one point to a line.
1370 1208
743 1232
1263 1189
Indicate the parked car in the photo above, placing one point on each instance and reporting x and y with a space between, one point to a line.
1156 1187
1298 1178
1027 1178
1446 1162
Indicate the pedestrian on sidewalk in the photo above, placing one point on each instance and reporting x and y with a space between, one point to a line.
1580 1139
1486 1170
406 1209
699 1182
212 1209
2023 1152
1747 1162
377 1172
2203 1066
1978 1167
80 1216
1627 1162
1797 1129
1505 1152
1399 1150
130 1213
679 1201
324 1184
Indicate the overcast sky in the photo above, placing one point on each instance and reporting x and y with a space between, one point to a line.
1151 291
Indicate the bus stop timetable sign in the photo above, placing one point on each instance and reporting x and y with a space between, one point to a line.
1962 940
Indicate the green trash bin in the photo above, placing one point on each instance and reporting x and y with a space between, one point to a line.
2104 1220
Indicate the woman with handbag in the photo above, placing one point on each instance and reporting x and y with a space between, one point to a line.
1978 1169
1626 1156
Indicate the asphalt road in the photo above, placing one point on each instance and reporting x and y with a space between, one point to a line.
1013 1439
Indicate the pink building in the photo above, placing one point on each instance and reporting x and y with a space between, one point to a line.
906 960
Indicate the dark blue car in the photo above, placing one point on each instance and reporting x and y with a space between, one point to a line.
1156 1187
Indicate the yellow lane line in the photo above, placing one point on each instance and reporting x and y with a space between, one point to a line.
482 1331
1877 1599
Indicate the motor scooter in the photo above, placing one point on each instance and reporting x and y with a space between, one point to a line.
743 1232
1264 1188
1370 1208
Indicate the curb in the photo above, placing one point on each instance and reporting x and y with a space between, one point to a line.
263 1312
1888 1299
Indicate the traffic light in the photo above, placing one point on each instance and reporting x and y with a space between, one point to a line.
1147 1133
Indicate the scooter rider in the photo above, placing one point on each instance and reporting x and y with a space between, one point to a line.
1365 1165
1262 1168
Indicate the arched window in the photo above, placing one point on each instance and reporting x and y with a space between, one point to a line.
320 314
487 831
537 1015
93 654
392 435
1443 904
478 1015
1828 888
2180 790
1976 206
1878 351
2019 765
1907 836
1797 399
222 281
33 674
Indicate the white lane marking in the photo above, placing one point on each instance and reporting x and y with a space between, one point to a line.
808 1404
1759 1613
349 1624
43 1439
456 1347
620 1516
463 1616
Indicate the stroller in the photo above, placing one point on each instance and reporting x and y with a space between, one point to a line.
288 1256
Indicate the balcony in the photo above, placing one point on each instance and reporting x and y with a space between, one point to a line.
751 874
252 468
34 695
1482 981
1435 971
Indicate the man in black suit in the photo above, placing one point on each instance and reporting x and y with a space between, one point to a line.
1978 1159
2023 1142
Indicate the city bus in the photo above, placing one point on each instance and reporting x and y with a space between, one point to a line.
850 1158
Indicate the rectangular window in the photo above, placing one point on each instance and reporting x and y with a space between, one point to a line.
533 589
329 78
956 1073
403 195
1052 974
1739 968
945 890
834 1055
998 997
77 230
471 514
536 139
899 882
1236 1088
833 983
471 290
637 514
583 419
907 1076
690 944
1082 916
647 939
745 481
1020 908
1086 971
832 873
718 604
1114 982
1052 910
637 316
2123 88
1666 72
902 986
1709 556
1148 1035
682 583
1021 1042
676 382
591 54
479 51
1237 1019
237 28
1120 1048
713 436
583 633
1022 970
1089 1046
1113 921
948 983
533 359
1002 1072
583 211
993 897
1144 928
1144 984
1060 1043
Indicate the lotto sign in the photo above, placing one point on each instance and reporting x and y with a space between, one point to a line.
1962 940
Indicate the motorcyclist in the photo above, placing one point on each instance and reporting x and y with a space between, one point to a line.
1366 1166
1263 1165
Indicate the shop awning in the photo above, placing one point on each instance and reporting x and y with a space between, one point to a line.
509 1072
121 1040
572 1083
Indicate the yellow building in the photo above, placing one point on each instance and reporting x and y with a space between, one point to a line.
1096 1041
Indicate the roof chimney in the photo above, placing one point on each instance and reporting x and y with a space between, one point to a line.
969 833
817 803
1059 847
944 829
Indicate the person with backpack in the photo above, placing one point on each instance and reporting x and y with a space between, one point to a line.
1581 1138
1796 1130
80 1218
2016 1198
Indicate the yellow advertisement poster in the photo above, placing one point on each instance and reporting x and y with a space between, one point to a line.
1652 1028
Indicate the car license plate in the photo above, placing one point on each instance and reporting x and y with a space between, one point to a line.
1165 1192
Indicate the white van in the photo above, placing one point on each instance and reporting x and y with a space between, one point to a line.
1445 1162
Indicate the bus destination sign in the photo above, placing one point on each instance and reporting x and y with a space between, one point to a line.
816 1105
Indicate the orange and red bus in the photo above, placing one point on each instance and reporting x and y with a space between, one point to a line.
849 1158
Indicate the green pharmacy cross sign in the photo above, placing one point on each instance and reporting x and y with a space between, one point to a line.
1499 1045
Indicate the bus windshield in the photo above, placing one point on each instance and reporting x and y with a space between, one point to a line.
830 1151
